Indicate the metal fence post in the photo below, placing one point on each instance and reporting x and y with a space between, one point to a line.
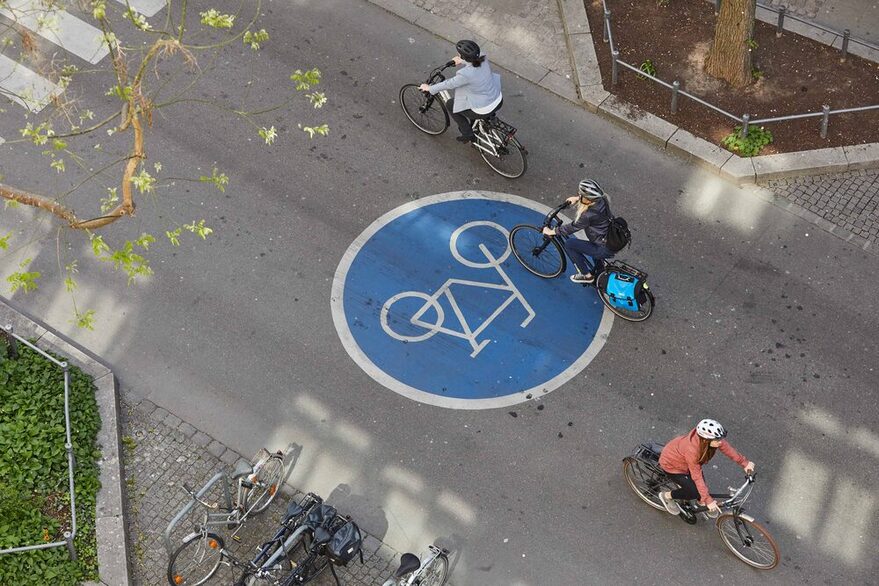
606 24
716 7
615 68
68 537
846 34
11 342
780 27
825 120
675 87
746 119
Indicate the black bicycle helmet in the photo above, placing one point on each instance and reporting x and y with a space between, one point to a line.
468 50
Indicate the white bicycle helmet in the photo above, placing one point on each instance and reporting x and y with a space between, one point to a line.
710 429
590 189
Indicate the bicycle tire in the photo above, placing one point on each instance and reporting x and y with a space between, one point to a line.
645 309
639 477
526 240
438 572
179 575
513 154
426 112
766 551
267 487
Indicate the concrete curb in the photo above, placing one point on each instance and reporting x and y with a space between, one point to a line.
110 526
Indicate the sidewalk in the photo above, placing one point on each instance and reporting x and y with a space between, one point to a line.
521 31
161 452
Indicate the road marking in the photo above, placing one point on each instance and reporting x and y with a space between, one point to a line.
146 7
515 337
25 87
59 27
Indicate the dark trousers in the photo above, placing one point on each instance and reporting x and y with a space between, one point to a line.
464 119
578 250
687 490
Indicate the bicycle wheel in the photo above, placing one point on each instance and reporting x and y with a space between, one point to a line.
426 112
437 573
196 560
643 480
540 255
644 310
510 161
267 484
748 541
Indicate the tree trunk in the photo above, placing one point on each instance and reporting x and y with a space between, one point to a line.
730 55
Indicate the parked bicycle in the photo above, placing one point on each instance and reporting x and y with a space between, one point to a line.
332 540
495 139
622 288
740 533
431 570
272 560
201 552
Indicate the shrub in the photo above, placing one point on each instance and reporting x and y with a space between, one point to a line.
34 499
750 146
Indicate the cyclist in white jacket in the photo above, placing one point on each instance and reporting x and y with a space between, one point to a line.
477 89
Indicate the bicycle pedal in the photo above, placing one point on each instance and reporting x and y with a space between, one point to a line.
236 538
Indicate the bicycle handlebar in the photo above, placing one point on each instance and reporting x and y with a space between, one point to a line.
553 215
191 492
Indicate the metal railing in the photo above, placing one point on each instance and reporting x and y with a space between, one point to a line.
13 339
745 120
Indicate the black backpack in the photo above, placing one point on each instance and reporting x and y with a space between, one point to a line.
618 235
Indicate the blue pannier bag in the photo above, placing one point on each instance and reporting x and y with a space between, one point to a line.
623 290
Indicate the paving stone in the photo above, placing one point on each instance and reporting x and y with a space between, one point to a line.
202 439
216 449
186 429
172 420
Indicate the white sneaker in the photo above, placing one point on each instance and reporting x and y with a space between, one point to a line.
670 505
583 279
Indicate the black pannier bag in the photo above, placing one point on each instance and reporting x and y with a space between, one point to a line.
345 544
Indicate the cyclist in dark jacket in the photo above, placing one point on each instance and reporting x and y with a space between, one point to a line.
593 217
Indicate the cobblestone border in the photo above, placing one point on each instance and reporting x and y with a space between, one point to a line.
110 526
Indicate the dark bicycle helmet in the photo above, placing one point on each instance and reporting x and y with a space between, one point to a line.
468 50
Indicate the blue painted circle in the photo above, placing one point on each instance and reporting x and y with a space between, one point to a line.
431 302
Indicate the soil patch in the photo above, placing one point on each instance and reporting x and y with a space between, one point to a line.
798 75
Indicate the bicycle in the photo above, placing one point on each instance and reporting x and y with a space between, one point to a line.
622 288
431 570
272 558
200 554
494 137
740 533
323 523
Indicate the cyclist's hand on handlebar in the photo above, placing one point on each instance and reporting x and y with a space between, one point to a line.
424 87
456 60
572 200
713 508
749 468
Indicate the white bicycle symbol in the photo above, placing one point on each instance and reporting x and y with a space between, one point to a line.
433 301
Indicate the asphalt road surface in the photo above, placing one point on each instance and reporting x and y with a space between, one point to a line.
763 322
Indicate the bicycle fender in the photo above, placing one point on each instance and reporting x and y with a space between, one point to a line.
748 518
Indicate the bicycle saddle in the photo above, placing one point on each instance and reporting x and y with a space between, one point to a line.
242 468
408 563
293 509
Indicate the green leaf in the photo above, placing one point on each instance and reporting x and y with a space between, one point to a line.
214 19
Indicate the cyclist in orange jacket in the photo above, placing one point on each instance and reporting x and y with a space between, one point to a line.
683 457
